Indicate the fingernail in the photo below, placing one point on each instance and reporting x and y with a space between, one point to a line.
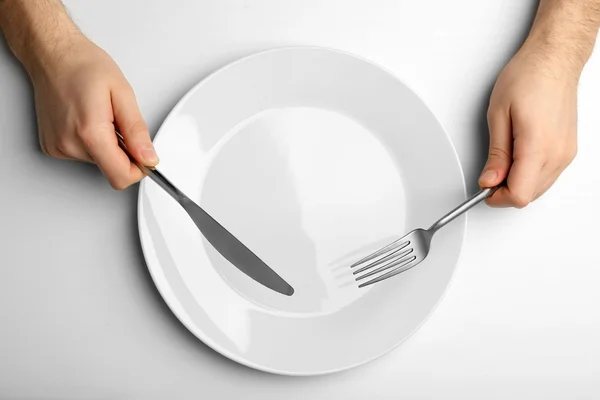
149 155
489 176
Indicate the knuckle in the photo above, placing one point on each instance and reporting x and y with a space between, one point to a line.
65 146
499 153
123 85
88 135
118 183
42 138
45 149
564 155
521 200
54 153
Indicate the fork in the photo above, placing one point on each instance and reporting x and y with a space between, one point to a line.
411 249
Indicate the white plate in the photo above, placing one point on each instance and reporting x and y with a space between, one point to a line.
312 158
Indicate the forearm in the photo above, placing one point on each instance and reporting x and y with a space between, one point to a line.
565 30
37 31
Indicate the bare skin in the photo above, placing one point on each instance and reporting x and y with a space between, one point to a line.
82 97
533 108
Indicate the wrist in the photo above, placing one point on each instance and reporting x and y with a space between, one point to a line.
40 33
562 37
552 59
43 51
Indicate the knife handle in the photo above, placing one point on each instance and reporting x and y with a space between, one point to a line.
153 173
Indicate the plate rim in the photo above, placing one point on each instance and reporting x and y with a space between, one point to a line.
199 334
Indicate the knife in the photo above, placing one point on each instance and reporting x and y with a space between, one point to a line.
220 238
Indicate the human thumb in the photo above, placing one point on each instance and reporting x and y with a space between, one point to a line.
133 128
500 150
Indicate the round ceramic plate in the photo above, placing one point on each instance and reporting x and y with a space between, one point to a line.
312 158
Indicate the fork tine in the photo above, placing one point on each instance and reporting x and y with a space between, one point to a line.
382 251
387 266
391 273
392 255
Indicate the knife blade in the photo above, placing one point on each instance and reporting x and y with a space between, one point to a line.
235 251
220 238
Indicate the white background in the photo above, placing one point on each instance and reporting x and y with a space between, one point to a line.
80 317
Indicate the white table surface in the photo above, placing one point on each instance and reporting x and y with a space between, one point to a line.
81 318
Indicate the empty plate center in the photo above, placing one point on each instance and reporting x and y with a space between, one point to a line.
304 188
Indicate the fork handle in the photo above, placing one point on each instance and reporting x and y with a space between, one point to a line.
464 207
